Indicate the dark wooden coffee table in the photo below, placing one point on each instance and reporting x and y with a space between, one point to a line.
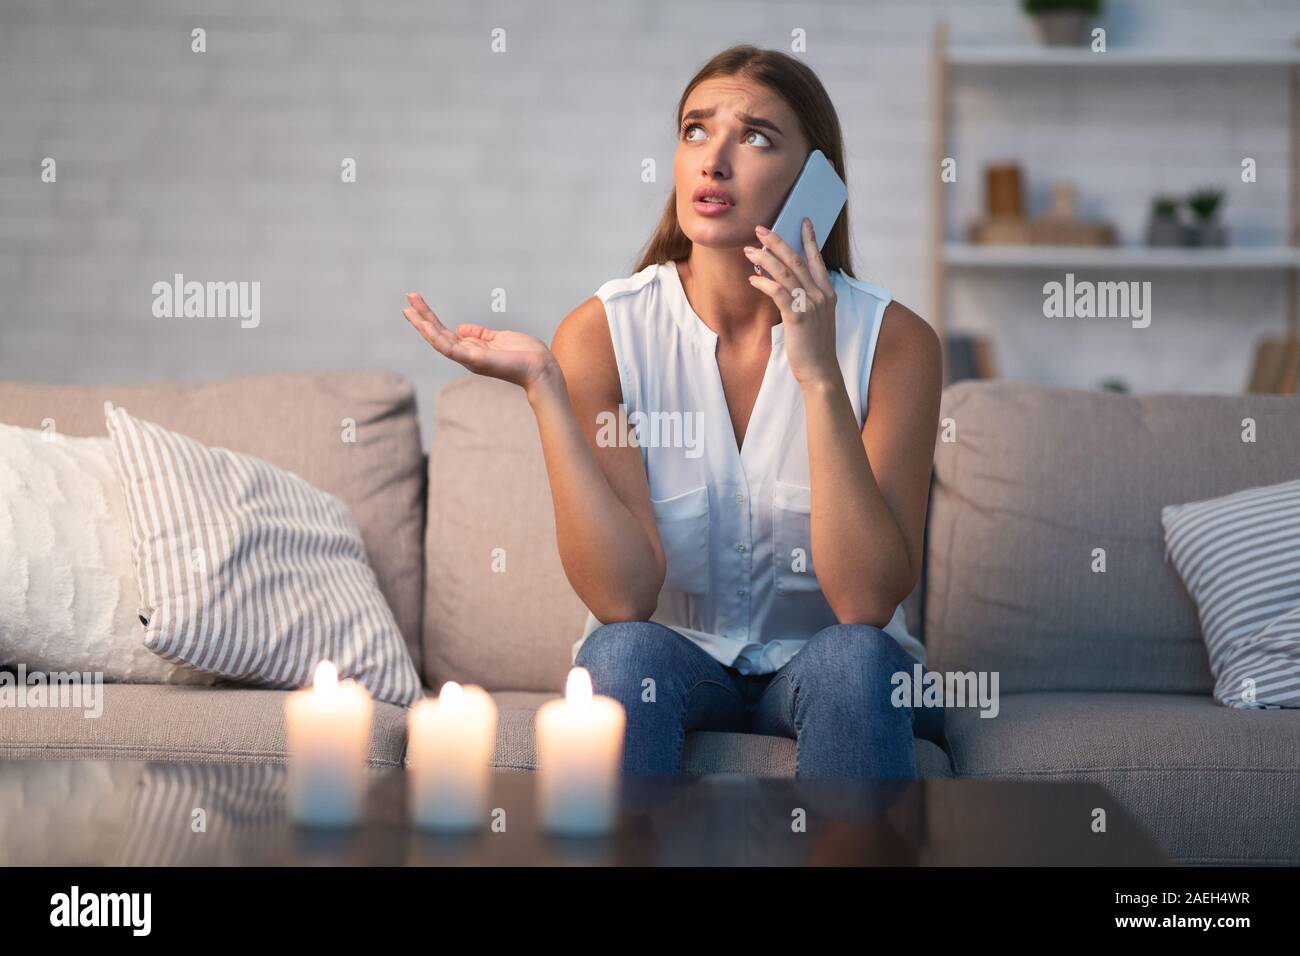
96 812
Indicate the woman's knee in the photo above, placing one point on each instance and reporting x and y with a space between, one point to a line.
624 653
857 661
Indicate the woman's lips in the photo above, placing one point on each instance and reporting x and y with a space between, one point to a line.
711 208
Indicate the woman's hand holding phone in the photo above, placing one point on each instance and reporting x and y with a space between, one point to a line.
497 353
801 288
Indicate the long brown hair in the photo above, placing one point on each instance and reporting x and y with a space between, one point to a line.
798 85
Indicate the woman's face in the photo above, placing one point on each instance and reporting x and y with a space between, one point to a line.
743 141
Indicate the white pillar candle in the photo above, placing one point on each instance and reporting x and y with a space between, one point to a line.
328 730
579 759
450 742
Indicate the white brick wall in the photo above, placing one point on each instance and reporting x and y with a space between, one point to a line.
522 171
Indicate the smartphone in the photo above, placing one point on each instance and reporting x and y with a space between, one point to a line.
819 194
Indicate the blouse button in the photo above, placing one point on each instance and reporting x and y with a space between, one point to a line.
742 591
741 547
740 496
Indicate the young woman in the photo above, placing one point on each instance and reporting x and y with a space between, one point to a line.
743 566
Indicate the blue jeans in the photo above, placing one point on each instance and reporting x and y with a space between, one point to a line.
833 698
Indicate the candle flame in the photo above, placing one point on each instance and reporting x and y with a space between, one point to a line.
577 689
452 694
326 679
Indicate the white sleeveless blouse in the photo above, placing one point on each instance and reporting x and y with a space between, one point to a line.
735 523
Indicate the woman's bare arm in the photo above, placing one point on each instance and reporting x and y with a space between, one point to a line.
605 528
870 488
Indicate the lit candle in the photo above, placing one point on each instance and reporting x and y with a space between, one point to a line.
579 758
328 730
450 742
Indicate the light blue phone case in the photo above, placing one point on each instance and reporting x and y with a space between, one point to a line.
819 194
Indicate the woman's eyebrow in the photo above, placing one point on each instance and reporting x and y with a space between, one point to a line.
743 117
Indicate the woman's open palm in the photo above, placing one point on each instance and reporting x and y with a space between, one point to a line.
499 353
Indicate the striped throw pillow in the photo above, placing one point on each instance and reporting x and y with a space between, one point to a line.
249 572
1239 557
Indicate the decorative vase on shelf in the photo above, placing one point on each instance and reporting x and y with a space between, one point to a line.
1062 22
1212 233
1165 228
1206 229
1062 29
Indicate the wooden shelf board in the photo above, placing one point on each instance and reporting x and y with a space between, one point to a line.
1084 57
967 255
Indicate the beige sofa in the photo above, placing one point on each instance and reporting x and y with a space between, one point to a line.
1103 677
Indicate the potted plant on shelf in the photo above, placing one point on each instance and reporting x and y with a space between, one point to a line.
1113 383
1062 22
1207 230
1165 228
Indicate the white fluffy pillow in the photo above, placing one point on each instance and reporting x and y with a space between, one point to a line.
68 593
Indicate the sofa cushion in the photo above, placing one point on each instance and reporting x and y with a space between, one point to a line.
248 571
172 722
704 752
488 490
1238 558
1212 784
299 422
1035 480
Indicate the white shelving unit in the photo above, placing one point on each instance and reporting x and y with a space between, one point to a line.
947 255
